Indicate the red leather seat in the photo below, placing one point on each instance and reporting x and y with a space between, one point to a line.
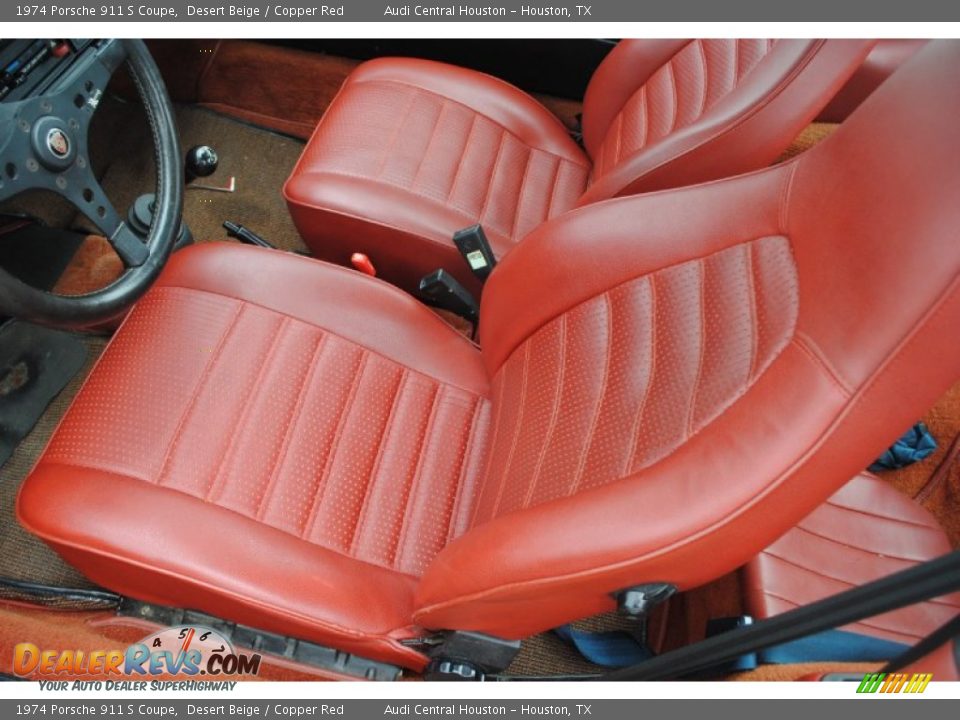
411 151
308 450
884 59
865 531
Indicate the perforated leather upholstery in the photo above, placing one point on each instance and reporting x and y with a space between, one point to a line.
623 379
262 402
411 151
667 384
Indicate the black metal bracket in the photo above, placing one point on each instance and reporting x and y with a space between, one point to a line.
465 655
639 600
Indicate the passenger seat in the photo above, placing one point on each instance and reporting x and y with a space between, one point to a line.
411 151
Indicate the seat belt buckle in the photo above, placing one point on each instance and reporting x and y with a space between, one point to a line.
473 245
441 289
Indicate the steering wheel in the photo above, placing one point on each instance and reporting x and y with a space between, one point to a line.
43 145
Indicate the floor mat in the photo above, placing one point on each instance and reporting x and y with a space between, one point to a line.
23 556
36 363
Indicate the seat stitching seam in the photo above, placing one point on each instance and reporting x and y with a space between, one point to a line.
618 137
608 351
490 181
786 192
198 389
835 541
702 272
211 491
292 422
845 508
646 116
461 469
554 185
461 482
736 64
426 152
321 486
498 403
811 350
523 185
395 134
641 409
400 550
518 425
676 97
857 622
360 525
555 411
754 314
460 161
932 601
702 54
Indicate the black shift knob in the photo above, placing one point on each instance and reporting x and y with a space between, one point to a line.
201 161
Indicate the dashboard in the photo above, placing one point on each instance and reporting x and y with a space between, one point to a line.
28 67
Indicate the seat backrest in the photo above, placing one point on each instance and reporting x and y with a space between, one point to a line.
665 113
679 377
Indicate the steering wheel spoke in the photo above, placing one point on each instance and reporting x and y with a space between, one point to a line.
81 188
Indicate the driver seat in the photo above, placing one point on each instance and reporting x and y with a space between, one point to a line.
299 447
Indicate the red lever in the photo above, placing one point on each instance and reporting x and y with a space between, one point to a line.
362 263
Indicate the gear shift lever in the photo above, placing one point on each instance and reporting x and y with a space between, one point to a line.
201 161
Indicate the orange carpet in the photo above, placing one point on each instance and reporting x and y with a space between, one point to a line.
935 481
808 137
94 266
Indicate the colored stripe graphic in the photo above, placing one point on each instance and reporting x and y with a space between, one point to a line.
894 683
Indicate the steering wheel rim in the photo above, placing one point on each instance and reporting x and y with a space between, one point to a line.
32 126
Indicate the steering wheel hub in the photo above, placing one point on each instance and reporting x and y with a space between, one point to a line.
52 144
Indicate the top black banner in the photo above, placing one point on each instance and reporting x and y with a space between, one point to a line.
464 11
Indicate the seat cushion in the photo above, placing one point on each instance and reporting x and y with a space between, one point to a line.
273 440
411 151
865 531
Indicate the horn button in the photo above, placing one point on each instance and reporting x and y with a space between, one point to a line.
53 145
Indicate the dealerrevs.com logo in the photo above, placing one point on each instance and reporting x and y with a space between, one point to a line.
181 651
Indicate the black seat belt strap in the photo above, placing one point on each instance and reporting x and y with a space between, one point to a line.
943 634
